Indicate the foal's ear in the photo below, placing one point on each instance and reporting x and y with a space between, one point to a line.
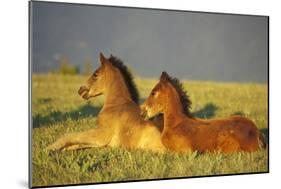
164 76
102 59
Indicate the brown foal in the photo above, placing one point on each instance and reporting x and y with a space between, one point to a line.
182 132
119 123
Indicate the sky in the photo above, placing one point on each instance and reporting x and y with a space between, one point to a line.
188 45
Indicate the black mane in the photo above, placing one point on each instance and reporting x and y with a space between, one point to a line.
184 98
128 78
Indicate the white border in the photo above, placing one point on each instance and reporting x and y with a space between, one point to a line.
14 92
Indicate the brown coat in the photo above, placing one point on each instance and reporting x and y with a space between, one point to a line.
182 132
119 123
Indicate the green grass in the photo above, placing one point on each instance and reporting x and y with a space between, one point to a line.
58 109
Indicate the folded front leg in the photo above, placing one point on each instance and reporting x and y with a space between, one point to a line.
86 139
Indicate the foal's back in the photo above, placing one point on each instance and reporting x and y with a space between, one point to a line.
228 135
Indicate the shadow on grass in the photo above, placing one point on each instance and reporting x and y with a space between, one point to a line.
239 113
44 100
265 132
58 116
208 111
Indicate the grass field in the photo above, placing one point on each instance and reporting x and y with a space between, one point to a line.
58 109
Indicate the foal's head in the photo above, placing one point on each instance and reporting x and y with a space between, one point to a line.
105 77
167 92
96 83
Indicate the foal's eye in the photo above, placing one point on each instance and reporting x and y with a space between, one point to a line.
95 75
153 93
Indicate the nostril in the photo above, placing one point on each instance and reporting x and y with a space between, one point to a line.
82 89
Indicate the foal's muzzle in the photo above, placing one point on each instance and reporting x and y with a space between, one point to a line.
83 91
143 112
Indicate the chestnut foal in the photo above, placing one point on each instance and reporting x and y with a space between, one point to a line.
182 132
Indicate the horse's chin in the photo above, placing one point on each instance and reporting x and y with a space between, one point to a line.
146 118
146 114
149 117
86 96
153 116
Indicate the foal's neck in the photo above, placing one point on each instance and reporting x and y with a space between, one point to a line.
173 112
117 93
